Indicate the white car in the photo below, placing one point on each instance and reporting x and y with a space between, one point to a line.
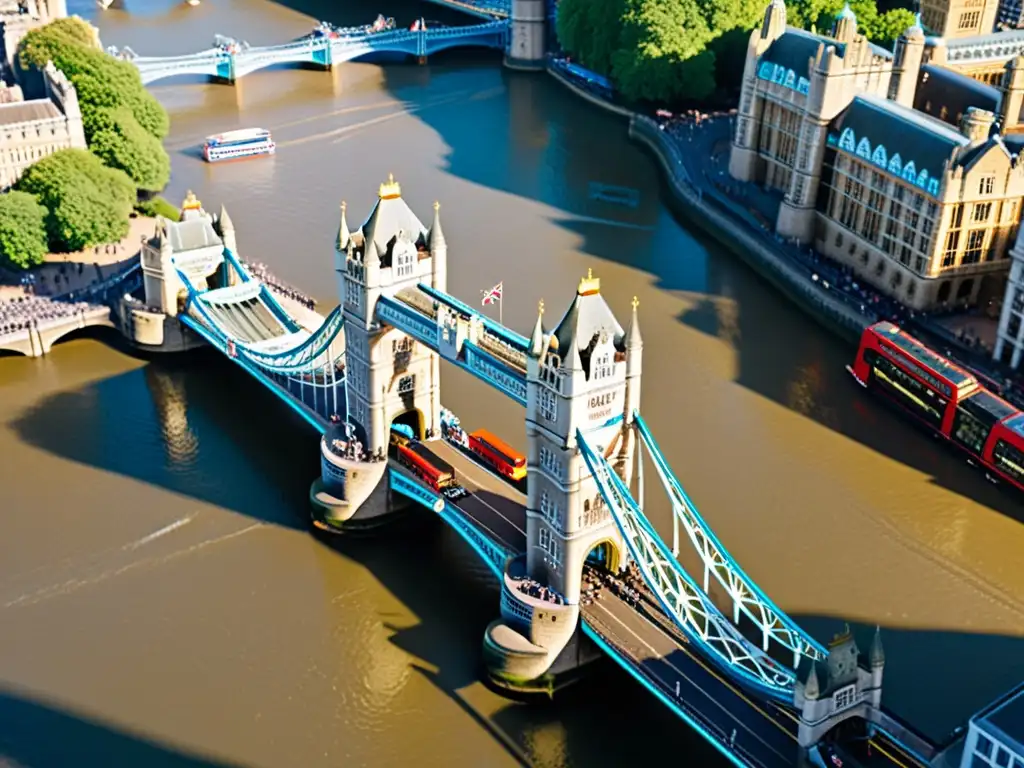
455 492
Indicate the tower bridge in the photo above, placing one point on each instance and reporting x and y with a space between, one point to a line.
234 60
747 677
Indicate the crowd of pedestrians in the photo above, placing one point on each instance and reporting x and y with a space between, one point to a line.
535 589
628 585
25 312
265 276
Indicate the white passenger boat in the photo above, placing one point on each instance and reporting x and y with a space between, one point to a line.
234 145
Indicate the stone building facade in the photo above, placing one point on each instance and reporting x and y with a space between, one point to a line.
17 18
919 208
32 130
951 19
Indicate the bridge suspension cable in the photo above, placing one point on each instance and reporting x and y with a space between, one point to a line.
745 594
679 595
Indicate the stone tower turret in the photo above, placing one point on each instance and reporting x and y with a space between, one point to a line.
907 65
845 28
438 252
1012 87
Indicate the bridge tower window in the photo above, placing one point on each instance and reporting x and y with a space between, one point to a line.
546 541
550 463
550 510
407 385
603 367
845 697
548 405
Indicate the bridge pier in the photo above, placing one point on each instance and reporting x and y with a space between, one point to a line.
527 43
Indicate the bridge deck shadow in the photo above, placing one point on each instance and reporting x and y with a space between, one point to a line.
42 734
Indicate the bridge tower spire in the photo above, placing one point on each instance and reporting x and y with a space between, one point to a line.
577 379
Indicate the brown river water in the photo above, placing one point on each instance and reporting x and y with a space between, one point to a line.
161 602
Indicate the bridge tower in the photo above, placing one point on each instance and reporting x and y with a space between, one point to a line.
527 41
390 377
846 687
584 375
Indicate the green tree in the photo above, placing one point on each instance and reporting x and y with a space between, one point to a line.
158 206
118 140
87 203
664 55
591 30
890 25
22 230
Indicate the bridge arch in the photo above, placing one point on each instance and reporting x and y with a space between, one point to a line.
607 555
412 418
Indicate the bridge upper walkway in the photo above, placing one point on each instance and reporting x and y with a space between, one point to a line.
230 62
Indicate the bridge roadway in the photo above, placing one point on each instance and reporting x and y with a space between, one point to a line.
648 642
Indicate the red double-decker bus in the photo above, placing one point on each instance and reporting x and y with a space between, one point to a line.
426 465
499 454
944 397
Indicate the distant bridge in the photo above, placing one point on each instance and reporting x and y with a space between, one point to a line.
484 9
229 63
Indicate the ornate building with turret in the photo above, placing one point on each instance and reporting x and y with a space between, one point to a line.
845 687
32 130
921 209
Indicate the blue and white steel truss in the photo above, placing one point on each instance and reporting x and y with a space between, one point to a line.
679 595
492 553
745 594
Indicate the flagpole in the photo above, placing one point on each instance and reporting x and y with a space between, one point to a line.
501 307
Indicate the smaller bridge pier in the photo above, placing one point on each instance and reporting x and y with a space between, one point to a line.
527 44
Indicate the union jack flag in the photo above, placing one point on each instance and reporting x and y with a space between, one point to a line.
492 295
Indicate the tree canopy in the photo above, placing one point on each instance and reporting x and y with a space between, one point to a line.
119 115
682 50
22 230
86 202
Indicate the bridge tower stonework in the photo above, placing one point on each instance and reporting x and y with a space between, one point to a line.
527 37
390 376
847 687
584 375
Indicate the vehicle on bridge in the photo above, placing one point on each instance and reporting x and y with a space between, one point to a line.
235 145
499 454
429 467
945 398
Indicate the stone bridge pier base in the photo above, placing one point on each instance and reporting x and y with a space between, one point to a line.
526 42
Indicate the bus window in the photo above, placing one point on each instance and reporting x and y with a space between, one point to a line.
906 390
1009 459
969 431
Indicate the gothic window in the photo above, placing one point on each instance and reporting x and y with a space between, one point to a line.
878 157
550 510
896 164
790 79
864 148
845 697
546 541
910 172
353 294
548 405
847 140
986 184
403 344
602 366
550 463
406 385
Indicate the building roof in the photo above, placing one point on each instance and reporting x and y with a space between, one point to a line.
927 142
795 48
939 87
586 320
389 216
1000 45
28 111
1004 720
192 234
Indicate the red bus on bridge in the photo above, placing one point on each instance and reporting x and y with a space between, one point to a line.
499 454
944 397
426 465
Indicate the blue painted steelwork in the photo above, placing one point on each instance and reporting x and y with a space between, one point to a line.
745 594
277 310
493 554
406 319
226 65
311 418
489 368
679 595
236 264
635 673
507 335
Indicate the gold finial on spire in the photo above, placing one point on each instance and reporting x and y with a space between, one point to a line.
841 638
636 303
540 307
190 203
390 189
437 206
589 285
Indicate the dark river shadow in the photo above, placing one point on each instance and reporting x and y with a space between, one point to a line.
42 734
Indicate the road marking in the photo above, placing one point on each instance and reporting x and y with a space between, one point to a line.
686 677
162 532
481 486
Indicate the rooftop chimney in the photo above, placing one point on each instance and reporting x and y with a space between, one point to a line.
976 124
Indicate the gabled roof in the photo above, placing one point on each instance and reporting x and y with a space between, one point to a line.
795 48
927 142
192 235
588 318
939 87
390 216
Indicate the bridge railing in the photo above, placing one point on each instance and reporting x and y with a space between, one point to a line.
744 592
679 595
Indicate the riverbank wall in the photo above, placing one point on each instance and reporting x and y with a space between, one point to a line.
691 205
